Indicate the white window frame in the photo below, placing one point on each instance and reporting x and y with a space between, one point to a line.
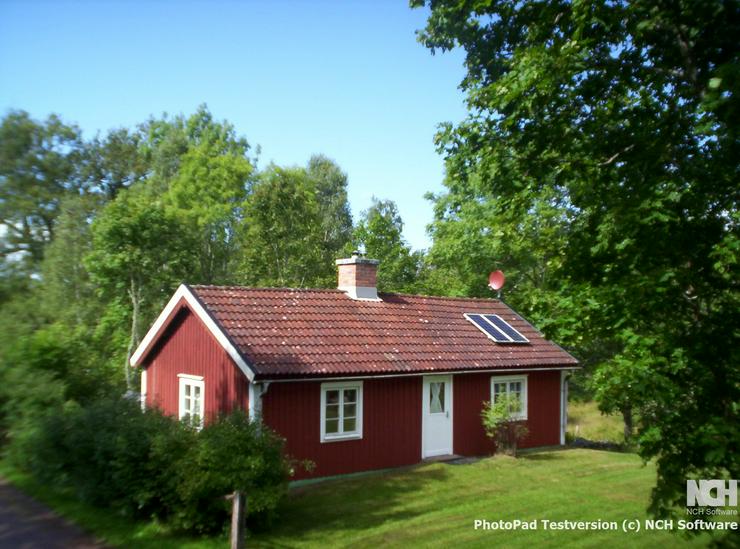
357 433
192 381
508 380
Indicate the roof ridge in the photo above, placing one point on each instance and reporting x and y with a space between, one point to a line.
336 290
263 289
445 297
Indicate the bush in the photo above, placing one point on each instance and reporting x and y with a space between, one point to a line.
506 431
145 464
233 453
112 454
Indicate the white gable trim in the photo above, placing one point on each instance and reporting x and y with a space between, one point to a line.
183 292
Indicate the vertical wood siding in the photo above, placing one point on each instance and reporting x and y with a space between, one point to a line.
543 411
391 426
392 421
189 348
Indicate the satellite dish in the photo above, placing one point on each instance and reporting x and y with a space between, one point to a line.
496 280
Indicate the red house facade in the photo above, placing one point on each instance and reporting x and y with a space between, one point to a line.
352 379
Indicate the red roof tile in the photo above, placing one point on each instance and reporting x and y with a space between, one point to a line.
289 332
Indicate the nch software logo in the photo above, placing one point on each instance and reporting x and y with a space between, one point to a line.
711 493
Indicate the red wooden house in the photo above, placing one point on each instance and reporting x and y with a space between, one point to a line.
352 379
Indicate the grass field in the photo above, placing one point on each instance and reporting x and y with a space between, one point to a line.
432 505
586 421
435 505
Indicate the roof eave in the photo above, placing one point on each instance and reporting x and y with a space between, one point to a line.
184 292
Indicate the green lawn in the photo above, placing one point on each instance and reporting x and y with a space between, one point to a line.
433 505
586 421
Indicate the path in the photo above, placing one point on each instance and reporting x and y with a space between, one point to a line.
27 524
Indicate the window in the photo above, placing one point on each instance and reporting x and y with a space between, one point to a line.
516 388
437 397
341 411
192 399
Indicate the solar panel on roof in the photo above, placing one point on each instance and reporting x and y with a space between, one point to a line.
505 327
493 332
496 328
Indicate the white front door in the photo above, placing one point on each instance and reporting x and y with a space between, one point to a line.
436 416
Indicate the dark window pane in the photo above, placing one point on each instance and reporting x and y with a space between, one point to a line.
332 397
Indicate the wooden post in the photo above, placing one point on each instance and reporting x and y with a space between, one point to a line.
237 520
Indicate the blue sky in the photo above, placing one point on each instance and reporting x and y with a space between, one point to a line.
344 78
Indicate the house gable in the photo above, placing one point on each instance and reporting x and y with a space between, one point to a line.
187 349
184 297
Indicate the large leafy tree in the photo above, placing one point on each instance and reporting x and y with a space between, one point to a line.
116 161
208 192
282 234
624 116
379 233
140 252
331 193
39 167
204 173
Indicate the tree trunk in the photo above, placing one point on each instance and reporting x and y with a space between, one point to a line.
135 295
627 417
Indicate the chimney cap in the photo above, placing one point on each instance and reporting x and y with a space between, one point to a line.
357 260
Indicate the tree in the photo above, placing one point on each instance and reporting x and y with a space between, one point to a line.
140 252
67 292
624 115
379 233
115 162
203 171
331 191
282 235
502 425
38 167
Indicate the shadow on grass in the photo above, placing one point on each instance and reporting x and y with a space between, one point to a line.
354 505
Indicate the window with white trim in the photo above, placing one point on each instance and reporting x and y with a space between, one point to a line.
192 399
341 410
515 387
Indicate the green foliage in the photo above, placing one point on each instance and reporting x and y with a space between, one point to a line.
39 165
499 424
605 135
140 253
111 454
379 233
233 453
282 237
144 464
115 162
40 371
334 212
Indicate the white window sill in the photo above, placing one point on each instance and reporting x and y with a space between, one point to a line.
339 438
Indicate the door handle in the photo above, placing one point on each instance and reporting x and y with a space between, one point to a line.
447 414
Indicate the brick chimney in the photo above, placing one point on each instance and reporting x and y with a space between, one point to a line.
357 277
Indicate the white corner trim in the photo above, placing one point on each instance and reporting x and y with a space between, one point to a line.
255 401
184 292
357 434
143 389
525 391
563 405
